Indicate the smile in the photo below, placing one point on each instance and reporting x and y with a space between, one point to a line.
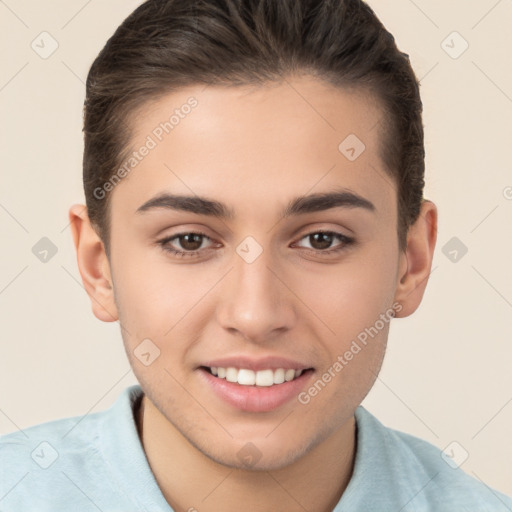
256 391
262 378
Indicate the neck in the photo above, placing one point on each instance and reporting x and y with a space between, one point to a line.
191 481
139 417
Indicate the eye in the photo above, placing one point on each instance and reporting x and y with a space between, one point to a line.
321 241
190 241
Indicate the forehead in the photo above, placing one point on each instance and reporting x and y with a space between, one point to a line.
244 144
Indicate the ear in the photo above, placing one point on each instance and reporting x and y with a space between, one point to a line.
416 260
93 264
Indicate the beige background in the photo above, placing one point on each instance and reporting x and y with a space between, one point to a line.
447 376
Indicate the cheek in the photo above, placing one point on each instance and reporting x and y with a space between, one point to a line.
350 296
159 300
148 297
157 297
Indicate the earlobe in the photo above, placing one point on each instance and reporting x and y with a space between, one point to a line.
93 264
416 261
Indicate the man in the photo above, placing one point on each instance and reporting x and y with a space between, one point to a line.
254 176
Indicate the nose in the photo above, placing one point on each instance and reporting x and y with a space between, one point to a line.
256 302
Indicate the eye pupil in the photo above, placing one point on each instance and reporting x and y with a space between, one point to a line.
191 238
325 240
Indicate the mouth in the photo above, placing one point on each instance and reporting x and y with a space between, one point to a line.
261 378
255 391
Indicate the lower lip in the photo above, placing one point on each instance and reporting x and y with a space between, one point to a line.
256 398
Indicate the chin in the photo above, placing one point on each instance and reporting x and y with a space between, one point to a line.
257 462
257 455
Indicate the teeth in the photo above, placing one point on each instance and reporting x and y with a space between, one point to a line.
263 378
231 374
279 376
246 377
289 375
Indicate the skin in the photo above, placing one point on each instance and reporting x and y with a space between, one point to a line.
255 149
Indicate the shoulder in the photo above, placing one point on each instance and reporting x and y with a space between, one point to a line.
39 463
61 462
42 444
420 475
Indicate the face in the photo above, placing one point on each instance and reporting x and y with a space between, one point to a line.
261 280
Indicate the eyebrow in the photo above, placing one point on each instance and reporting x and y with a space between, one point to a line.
297 206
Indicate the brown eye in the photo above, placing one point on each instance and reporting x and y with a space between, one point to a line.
190 241
321 242
184 244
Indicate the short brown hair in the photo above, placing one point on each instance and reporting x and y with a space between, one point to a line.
165 45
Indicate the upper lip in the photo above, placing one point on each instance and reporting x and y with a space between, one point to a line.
262 363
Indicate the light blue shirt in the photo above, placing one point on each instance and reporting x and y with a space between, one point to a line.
96 462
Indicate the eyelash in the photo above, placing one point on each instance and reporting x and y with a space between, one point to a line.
346 241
